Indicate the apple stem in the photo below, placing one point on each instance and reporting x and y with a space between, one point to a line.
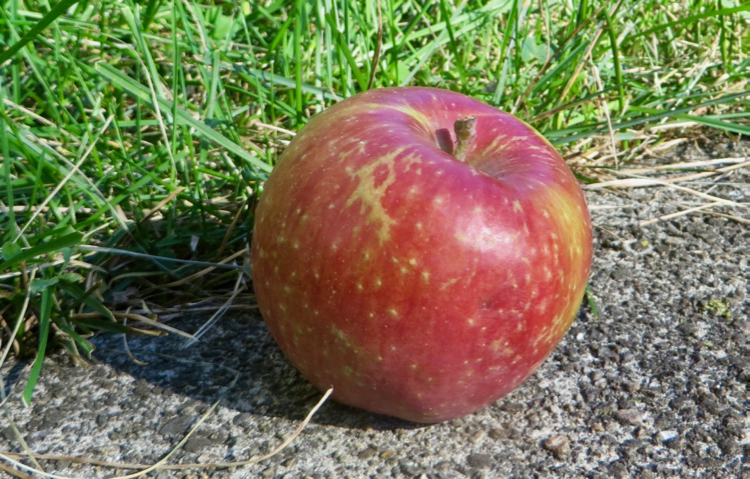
466 131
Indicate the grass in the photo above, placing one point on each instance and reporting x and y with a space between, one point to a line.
136 136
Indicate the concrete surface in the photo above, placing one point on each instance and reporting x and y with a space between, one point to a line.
656 386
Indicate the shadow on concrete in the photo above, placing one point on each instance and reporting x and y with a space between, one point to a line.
267 384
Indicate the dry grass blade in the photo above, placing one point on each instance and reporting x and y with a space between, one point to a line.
689 165
14 472
272 127
639 182
680 213
605 108
204 272
238 288
99 249
678 179
137 317
25 111
162 203
738 219
9 457
62 183
151 322
696 209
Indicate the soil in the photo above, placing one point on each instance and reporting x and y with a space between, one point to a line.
654 385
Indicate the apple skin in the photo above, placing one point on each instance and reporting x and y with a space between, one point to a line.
417 285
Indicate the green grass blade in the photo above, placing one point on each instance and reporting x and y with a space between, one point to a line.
592 302
653 115
7 167
716 123
82 342
611 33
282 81
44 326
692 19
85 297
344 47
59 9
137 90
299 21
50 246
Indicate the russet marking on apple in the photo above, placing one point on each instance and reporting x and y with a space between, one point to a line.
367 194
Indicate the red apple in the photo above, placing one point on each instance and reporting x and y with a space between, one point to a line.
416 284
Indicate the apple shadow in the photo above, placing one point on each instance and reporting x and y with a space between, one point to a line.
236 347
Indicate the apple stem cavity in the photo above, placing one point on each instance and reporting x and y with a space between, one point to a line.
466 131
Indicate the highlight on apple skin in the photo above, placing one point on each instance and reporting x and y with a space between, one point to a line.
418 284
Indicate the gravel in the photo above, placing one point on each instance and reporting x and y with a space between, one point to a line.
654 386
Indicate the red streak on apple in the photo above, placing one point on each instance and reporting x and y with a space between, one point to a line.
415 284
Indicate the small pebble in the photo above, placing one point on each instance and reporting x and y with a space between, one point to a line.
476 437
558 445
387 454
479 460
176 426
674 241
497 433
630 386
664 436
367 453
630 416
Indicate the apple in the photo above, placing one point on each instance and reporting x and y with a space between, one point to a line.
419 251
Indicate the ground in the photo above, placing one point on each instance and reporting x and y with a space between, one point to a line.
655 386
